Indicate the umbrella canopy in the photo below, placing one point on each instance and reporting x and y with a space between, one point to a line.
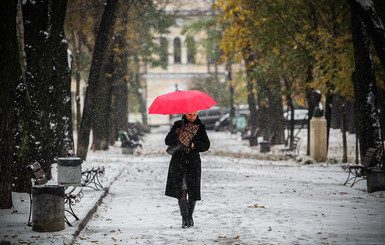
181 102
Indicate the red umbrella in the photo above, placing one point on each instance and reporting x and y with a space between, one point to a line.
181 102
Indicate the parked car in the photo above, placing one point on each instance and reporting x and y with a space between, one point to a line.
238 122
301 117
210 116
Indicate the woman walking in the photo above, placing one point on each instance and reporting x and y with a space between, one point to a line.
184 173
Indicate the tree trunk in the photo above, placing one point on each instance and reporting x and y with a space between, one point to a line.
139 95
381 107
373 23
119 91
61 113
103 37
76 47
328 114
309 78
40 33
363 77
138 91
101 125
343 129
336 119
290 107
119 109
276 124
10 77
250 92
350 117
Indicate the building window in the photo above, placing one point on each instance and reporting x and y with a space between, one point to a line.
164 50
191 50
177 50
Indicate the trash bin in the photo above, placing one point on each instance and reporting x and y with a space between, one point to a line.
253 141
69 171
265 146
127 146
128 150
48 208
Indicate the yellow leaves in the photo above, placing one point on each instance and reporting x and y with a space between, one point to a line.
225 237
231 12
256 206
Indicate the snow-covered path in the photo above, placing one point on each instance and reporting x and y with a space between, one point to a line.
244 201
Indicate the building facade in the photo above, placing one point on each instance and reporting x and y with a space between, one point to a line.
184 55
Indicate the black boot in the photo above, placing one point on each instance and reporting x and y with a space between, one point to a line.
191 206
183 206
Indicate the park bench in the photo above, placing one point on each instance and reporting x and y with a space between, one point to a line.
291 150
357 172
129 139
39 178
252 138
90 177
72 194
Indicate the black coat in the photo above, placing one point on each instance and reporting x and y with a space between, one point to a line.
189 163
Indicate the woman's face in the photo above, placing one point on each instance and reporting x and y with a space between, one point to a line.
192 116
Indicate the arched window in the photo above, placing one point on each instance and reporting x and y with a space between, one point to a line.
177 50
191 50
164 50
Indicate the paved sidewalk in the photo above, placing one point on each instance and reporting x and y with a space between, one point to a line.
13 223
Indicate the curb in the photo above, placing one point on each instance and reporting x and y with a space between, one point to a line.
93 210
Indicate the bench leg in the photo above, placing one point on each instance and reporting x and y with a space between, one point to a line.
70 211
348 178
355 176
356 179
67 221
92 180
30 210
97 182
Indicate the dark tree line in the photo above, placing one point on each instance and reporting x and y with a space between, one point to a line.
10 78
365 24
35 109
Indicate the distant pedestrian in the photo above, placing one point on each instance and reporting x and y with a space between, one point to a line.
184 173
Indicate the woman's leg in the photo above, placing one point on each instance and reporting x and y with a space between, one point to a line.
191 207
183 196
184 209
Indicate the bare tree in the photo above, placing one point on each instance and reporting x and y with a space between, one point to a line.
10 77
104 35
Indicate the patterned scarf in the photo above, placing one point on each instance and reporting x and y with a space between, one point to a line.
187 132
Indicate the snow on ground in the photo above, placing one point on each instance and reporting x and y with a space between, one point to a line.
245 200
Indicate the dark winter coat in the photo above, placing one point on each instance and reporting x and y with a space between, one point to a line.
186 162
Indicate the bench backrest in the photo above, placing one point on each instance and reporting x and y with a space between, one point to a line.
296 142
369 155
38 174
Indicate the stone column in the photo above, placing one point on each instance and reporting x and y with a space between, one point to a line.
48 208
318 139
69 171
